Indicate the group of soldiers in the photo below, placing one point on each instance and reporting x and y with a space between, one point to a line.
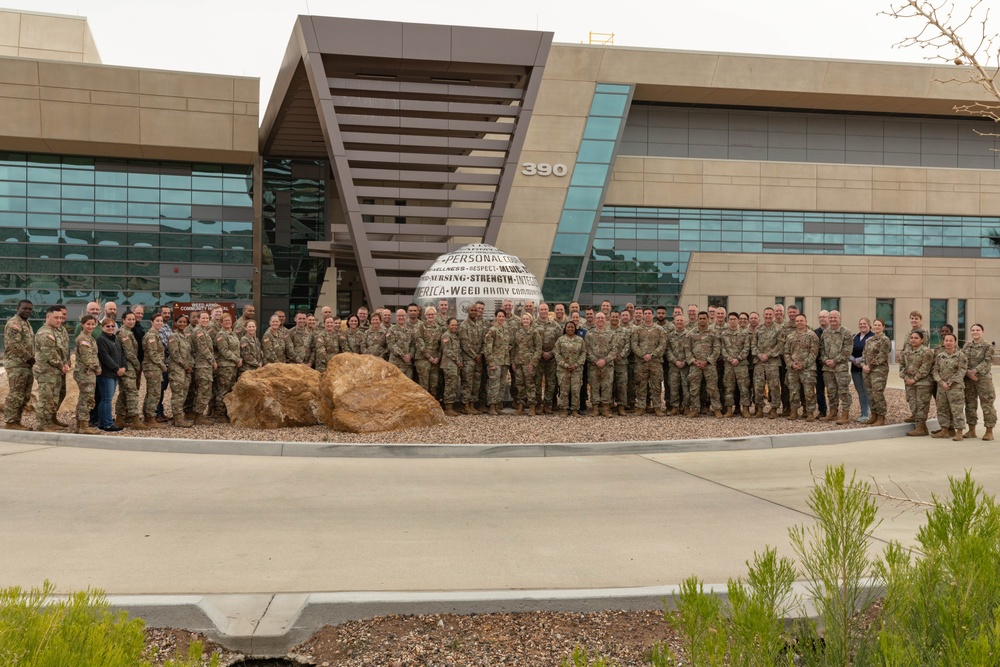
637 359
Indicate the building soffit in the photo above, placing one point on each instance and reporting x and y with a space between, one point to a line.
422 126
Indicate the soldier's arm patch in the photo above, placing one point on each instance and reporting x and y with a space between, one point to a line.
85 343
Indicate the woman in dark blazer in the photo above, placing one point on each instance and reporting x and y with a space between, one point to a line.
857 361
112 358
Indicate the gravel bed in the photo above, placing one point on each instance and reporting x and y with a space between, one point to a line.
511 429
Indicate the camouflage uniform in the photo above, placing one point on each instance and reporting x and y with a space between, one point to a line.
50 357
399 340
63 332
735 344
240 326
451 357
376 343
545 371
204 362
919 365
275 348
837 344
18 359
705 348
570 351
327 344
153 367
767 341
526 351
227 354
251 354
980 357
651 340
85 372
470 337
629 330
301 339
623 348
428 344
876 356
784 329
678 349
951 368
180 366
668 327
496 351
801 347
127 403
353 341
601 344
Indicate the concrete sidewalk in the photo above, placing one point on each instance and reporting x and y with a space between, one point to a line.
139 524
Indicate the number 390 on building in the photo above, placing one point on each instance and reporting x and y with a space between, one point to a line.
543 169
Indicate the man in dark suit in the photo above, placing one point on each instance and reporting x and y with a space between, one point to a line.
824 323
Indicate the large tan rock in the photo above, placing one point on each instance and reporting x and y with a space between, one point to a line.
275 396
360 393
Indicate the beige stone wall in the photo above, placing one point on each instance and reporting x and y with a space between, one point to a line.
753 281
46 37
81 109
793 186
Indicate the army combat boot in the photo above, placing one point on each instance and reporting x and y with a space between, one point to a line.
919 428
971 433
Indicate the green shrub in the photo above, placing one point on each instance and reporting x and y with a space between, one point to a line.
580 658
758 608
700 622
78 631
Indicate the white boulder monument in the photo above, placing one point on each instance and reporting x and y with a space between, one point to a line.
477 272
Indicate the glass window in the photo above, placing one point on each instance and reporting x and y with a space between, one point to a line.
571 244
558 291
564 266
592 150
719 301
829 303
960 328
608 105
583 198
590 174
602 128
885 311
938 318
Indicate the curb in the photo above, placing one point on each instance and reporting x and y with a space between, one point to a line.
434 451
269 625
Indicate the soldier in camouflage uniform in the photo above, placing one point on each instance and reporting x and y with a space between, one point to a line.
85 372
801 349
496 351
353 340
705 349
916 367
835 349
402 347
950 366
875 371
525 353
571 354
301 340
649 342
275 345
545 372
327 344
154 365
451 365
629 325
64 340
18 360
623 346
678 352
428 343
470 336
767 351
734 351
51 364
180 365
250 349
240 327
127 403
979 383
228 360
375 338
602 357
204 369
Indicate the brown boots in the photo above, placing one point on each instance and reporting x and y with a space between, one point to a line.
989 433
450 410
831 415
83 426
971 433
135 423
151 422
845 415
919 428
944 433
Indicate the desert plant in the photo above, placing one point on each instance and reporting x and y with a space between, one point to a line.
701 623
833 556
758 608
580 658
37 630
942 604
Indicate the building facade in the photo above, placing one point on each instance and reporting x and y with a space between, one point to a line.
637 175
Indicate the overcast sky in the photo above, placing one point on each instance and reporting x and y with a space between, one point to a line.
248 37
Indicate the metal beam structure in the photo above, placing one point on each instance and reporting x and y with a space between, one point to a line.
422 126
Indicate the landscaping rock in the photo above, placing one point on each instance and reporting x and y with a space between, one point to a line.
361 394
275 396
